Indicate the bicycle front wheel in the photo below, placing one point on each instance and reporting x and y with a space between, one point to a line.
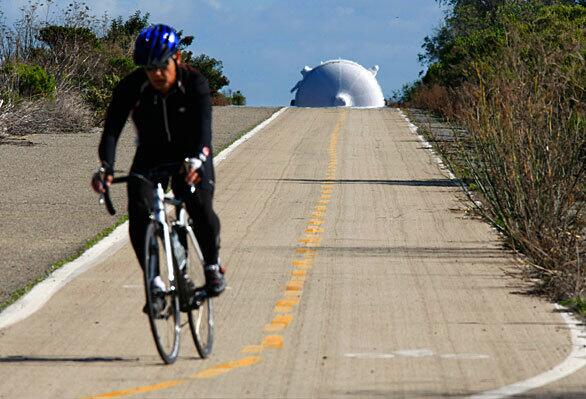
201 320
161 295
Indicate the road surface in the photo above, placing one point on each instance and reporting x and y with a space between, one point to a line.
354 271
46 193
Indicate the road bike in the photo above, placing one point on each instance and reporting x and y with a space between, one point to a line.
171 253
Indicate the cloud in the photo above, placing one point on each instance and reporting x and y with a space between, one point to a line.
344 11
272 40
215 4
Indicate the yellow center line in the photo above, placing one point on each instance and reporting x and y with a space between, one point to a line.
252 349
305 263
273 342
305 251
291 294
223 368
294 286
137 390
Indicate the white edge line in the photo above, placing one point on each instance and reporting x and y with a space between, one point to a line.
222 155
414 129
43 291
575 360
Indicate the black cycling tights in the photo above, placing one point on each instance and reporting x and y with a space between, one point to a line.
206 224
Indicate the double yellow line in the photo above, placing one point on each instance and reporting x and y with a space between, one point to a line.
303 261
304 258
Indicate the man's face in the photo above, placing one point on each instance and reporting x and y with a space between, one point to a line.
162 79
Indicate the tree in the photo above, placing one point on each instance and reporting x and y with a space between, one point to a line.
229 97
474 32
210 67
238 98
56 36
123 33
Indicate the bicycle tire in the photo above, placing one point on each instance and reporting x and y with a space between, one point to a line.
201 320
165 323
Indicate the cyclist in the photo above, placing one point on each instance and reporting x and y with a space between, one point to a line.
170 106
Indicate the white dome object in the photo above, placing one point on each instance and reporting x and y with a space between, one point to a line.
338 83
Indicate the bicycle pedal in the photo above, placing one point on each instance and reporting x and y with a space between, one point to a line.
198 298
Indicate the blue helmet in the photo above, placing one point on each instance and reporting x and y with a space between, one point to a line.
154 45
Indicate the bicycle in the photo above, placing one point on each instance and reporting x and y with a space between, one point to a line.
172 244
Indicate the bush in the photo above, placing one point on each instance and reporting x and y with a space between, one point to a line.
220 100
67 113
123 33
238 98
512 75
526 149
229 97
56 36
79 54
122 65
34 81
434 97
98 96
210 67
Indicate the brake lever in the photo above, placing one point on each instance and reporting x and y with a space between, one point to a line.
192 164
105 196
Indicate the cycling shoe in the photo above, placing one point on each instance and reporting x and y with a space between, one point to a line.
215 282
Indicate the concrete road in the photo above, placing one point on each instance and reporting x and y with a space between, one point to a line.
46 194
354 271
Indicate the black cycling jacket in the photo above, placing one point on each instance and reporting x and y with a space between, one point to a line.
170 128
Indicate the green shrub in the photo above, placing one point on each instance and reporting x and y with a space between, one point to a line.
210 67
98 95
237 98
77 51
122 33
34 81
122 65
56 36
576 303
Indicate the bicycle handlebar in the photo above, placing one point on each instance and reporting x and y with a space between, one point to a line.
107 200
162 170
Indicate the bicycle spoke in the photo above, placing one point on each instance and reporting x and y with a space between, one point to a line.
200 319
163 305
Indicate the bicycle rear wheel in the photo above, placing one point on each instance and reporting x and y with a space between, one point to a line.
162 302
201 320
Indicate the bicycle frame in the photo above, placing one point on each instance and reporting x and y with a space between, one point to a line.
182 221
159 216
175 285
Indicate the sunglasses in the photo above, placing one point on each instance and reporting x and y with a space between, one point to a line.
158 68
154 68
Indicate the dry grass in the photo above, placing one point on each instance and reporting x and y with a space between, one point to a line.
67 113
434 98
72 63
525 149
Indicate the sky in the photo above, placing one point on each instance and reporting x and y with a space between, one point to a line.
264 44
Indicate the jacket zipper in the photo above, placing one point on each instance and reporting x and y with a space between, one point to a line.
166 119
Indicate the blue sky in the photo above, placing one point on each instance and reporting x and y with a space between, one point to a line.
263 44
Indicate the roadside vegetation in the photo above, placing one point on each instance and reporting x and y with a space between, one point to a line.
510 75
58 67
